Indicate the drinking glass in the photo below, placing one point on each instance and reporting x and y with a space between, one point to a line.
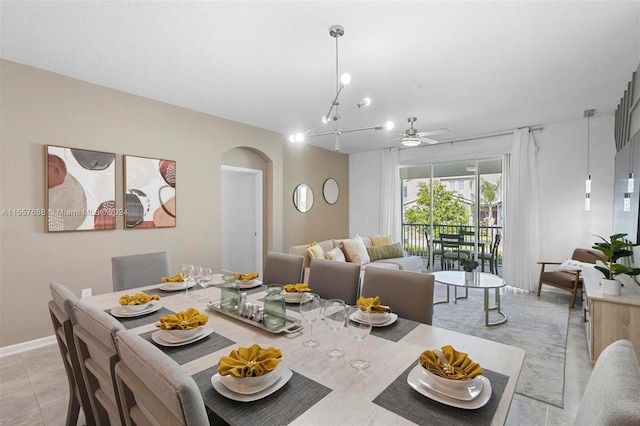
310 307
205 281
186 270
194 277
335 313
359 325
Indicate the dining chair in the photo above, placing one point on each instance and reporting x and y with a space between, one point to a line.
282 268
452 254
137 270
492 256
153 388
332 279
408 294
94 335
63 319
437 252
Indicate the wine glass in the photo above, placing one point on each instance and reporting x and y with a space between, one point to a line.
185 272
310 307
194 276
359 325
205 281
335 313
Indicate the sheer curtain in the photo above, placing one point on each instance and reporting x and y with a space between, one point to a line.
390 203
521 219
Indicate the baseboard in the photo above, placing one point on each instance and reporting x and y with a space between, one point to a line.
25 346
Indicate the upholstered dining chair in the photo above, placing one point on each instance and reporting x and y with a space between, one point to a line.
138 270
332 279
153 388
95 338
282 268
63 319
409 294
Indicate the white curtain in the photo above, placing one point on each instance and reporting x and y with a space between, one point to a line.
390 203
521 219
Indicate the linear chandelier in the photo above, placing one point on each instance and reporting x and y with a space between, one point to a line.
333 115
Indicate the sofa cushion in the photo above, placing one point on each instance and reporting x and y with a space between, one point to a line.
377 240
355 251
315 251
407 263
335 254
387 251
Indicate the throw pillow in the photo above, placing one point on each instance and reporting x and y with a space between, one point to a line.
387 251
381 241
336 254
315 251
571 265
355 251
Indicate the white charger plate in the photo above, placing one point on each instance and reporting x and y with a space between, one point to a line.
167 287
249 284
392 318
414 381
157 339
285 375
236 387
122 313
466 393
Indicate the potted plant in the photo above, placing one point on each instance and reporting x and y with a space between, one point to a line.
469 264
615 248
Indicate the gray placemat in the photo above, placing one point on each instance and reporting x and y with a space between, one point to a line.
279 408
195 350
395 331
400 398
133 322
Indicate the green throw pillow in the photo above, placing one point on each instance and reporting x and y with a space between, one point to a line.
386 251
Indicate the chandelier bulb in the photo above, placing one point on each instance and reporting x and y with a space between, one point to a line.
325 119
366 101
345 79
388 125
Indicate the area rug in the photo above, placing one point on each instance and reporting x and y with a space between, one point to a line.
538 327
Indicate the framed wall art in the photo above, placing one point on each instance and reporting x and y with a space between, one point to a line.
150 192
80 189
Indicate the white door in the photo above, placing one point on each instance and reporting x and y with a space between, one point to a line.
241 220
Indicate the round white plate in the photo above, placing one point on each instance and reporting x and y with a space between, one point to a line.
249 284
170 338
392 318
205 332
414 381
167 287
285 375
293 297
466 393
236 387
122 313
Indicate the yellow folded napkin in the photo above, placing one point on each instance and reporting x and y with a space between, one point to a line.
137 299
246 277
374 304
174 279
458 365
185 320
249 362
296 288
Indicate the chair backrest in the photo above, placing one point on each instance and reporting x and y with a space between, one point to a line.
409 294
450 240
95 337
138 270
332 279
63 319
282 268
585 255
496 243
153 388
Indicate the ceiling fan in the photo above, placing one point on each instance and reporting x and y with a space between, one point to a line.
411 137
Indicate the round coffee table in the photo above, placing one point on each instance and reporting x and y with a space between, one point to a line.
481 280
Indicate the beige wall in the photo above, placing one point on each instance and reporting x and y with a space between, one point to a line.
40 108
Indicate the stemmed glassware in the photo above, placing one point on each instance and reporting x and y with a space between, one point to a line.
186 270
359 325
335 313
194 277
205 281
310 308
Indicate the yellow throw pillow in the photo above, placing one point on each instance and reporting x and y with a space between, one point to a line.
315 251
381 241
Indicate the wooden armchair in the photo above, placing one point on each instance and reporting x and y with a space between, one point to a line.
565 280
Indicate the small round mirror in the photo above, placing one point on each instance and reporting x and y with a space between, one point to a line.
303 197
331 191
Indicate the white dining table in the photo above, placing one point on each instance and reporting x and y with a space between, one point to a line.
344 395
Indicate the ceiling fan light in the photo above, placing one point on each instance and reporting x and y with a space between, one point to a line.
411 141
388 125
345 79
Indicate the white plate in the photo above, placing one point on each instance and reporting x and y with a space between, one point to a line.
414 381
285 375
170 338
122 313
236 387
466 393
167 287
248 284
293 297
375 318
205 332
392 318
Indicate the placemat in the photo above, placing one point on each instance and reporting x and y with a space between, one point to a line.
279 408
133 322
195 350
395 331
400 398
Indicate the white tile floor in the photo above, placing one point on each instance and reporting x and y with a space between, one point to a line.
34 391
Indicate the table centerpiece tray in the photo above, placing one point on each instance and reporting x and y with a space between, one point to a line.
291 325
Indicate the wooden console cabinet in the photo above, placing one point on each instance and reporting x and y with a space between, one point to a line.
610 318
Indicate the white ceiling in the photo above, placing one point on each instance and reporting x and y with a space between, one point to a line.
473 67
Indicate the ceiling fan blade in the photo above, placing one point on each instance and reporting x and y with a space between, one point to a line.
429 141
392 140
433 132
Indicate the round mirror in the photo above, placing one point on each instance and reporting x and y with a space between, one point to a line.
303 197
331 191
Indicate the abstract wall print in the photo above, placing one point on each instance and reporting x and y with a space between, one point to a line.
150 192
81 189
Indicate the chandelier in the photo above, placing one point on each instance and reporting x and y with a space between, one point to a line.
334 115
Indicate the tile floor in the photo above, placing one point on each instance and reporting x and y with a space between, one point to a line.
34 391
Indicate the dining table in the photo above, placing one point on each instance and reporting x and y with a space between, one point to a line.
318 389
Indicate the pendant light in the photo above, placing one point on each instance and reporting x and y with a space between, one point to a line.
587 184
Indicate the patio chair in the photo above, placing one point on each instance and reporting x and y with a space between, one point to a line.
492 256
452 255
